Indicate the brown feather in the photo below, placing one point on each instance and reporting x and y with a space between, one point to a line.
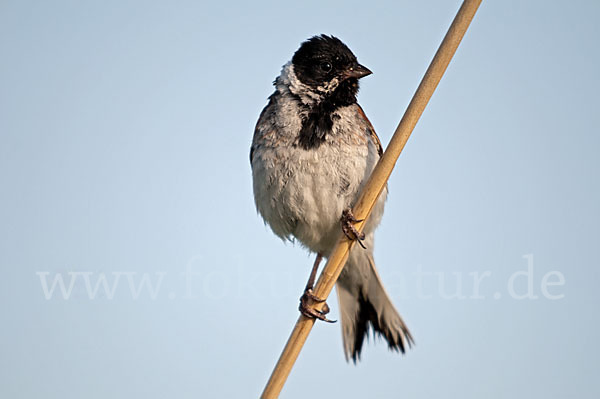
371 131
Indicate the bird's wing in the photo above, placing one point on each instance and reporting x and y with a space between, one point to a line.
258 128
374 137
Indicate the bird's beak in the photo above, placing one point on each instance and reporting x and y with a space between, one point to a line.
357 71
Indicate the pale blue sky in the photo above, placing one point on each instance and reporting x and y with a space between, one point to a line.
124 136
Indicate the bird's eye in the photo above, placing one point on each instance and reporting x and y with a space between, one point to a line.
326 66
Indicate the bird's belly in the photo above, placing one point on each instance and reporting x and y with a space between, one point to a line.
305 194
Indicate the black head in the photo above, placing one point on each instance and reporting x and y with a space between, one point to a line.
323 59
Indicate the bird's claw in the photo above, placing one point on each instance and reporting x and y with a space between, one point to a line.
311 312
348 220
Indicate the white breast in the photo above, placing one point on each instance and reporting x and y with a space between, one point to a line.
302 193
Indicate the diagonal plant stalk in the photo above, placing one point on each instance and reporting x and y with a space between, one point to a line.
371 191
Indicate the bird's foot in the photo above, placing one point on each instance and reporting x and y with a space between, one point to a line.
348 220
310 312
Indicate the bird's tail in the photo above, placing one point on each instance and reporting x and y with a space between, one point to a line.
365 305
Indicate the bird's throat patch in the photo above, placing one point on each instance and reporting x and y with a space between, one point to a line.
319 120
315 128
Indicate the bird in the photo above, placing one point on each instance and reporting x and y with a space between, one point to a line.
312 151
